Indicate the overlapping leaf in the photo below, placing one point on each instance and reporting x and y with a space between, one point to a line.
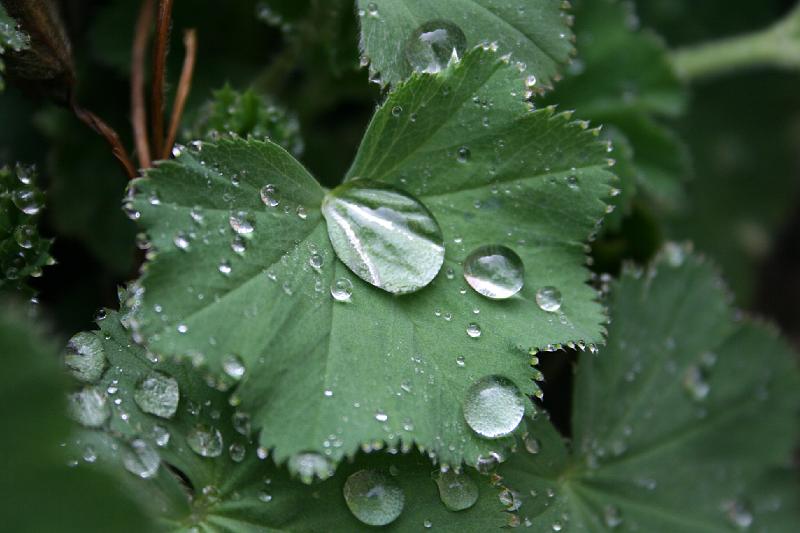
535 32
10 38
232 489
686 421
242 267
623 79
38 491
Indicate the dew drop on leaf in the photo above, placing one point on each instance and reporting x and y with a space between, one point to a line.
532 444
548 299
695 383
373 498
160 436
738 514
473 330
141 459
493 407
464 154
269 195
384 235
457 491
89 407
494 271
342 290
612 516
241 223
84 357
205 440
433 45
157 394
309 466
237 452
233 366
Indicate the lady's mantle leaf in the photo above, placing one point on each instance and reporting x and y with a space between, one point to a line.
385 236
242 268
682 396
227 484
401 36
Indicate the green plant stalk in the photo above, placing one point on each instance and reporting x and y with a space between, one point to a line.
777 46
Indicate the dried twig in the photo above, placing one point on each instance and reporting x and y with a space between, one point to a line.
138 105
184 85
97 124
159 66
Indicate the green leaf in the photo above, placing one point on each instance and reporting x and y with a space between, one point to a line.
232 489
623 79
385 236
246 114
39 492
535 32
684 395
23 252
10 38
242 268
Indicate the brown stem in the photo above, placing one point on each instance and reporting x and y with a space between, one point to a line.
159 67
97 124
184 85
138 105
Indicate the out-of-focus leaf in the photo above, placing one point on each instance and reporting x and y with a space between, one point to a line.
38 490
23 252
683 396
246 114
401 36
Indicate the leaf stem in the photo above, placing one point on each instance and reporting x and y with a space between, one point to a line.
776 46
138 105
159 67
184 85
108 133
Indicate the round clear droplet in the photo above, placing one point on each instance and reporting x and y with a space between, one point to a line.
233 366
433 45
373 498
205 440
494 271
457 491
342 290
548 299
494 407
89 407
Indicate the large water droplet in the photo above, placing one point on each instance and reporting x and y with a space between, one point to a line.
457 491
139 458
84 357
433 45
494 407
373 497
342 290
89 407
384 235
205 440
310 466
157 394
494 271
473 330
548 299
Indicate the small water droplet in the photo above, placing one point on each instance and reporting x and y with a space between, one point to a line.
89 407
205 440
141 459
494 271
373 498
161 436
233 366
493 407
532 444
241 223
309 466
457 491
241 423
157 394
463 155
84 357
225 267
237 452
380 416
548 299
473 330
181 241
316 261
433 45
612 516
738 514
342 290
269 195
